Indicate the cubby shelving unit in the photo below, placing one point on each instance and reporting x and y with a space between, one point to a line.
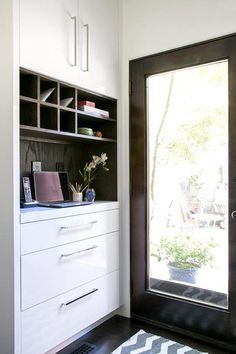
50 115
49 129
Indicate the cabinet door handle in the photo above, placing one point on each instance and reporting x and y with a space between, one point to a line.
86 68
78 298
77 252
74 19
90 223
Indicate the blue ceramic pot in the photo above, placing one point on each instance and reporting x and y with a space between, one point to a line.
90 195
182 275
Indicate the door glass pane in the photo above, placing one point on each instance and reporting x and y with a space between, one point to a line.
187 130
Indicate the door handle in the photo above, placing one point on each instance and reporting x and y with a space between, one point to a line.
75 40
85 67
233 215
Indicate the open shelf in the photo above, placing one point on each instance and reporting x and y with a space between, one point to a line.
48 118
47 104
48 91
66 94
66 109
89 117
53 116
28 113
28 99
28 85
67 122
43 106
107 130
49 131
101 102
41 133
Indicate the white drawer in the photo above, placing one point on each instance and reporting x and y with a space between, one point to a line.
54 271
40 235
46 325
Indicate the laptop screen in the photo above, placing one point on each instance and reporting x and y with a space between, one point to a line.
51 186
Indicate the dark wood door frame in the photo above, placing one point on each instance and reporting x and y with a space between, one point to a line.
206 322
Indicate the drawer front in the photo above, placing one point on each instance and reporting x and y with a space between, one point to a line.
41 235
51 272
46 325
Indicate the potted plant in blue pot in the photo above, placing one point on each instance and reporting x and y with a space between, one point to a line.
184 255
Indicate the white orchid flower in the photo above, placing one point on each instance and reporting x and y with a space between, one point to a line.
104 157
96 159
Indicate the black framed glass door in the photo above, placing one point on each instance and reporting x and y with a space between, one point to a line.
182 153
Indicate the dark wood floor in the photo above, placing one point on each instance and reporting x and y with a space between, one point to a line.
108 336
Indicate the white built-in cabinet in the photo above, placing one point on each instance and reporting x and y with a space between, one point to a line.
47 37
69 272
75 41
98 53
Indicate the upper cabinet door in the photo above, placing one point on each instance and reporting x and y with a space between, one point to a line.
98 46
75 41
48 38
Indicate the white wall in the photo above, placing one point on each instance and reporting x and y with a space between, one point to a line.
9 206
149 27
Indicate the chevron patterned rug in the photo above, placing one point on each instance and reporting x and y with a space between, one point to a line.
147 343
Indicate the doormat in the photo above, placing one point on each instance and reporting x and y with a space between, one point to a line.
147 343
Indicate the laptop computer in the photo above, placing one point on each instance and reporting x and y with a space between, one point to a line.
52 190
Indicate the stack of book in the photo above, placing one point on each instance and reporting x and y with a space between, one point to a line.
89 107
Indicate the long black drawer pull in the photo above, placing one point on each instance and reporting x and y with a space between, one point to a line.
78 298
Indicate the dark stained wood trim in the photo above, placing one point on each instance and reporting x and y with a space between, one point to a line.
204 320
